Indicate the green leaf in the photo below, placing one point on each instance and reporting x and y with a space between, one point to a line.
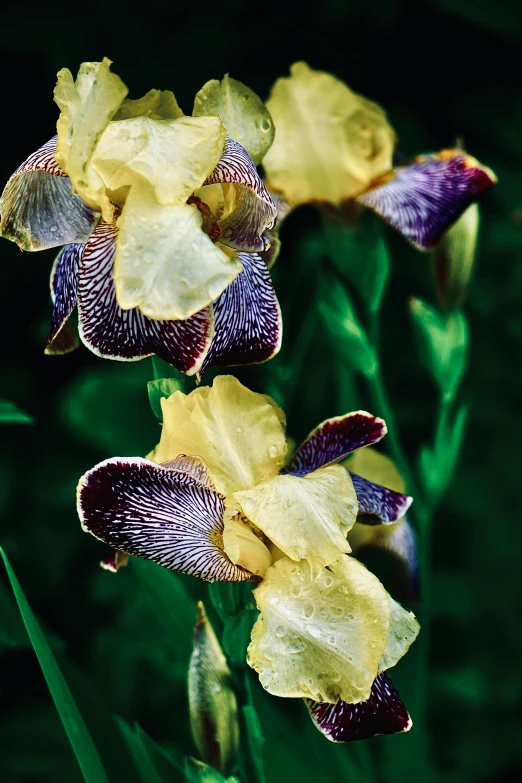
347 336
254 736
198 772
443 345
171 602
162 387
73 723
10 414
244 115
143 762
437 464
360 254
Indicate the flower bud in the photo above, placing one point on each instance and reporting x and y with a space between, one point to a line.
212 701
453 259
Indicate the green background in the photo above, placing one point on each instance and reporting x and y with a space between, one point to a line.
442 70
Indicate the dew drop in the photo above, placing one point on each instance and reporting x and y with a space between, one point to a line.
295 591
308 611
280 631
273 451
323 614
328 581
238 429
53 228
266 125
315 632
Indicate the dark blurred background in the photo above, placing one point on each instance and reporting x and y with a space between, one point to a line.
442 69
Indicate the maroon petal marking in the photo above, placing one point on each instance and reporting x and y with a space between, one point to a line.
160 514
248 326
64 289
378 505
38 209
129 335
334 439
422 200
382 713
114 561
255 210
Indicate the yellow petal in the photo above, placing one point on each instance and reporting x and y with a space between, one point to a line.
377 467
319 638
403 631
87 106
242 545
237 433
165 264
174 157
330 143
243 113
156 104
308 517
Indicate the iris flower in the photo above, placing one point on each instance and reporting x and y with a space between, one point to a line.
334 146
218 499
162 217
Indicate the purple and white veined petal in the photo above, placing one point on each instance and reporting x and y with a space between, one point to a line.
378 505
157 513
402 543
334 439
64 290
128 335
254 210
38 209
382 713
248 326
423 199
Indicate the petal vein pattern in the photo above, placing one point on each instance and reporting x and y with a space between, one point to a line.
382 713
423 199
251 209
64 290
38 209
248 325
129 335
334 439
159 514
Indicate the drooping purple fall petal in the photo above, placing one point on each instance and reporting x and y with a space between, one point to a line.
64 289
38 209
423 199
378 505
157 513
254 210
129 335
382 713
248 325
334 439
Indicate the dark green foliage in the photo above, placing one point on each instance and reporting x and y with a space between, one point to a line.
123 641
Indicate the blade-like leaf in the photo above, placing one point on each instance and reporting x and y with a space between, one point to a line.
144 764
10 414
73 723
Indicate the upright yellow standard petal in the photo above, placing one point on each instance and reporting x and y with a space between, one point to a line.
307 518
319 638
87 106
238 433
244 114
330 143
156 104
165 264
403 631
173 157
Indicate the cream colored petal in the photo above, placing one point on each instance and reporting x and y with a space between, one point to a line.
323 638
242 545
87 106
330 142
377 467
243 113
156 104
165 264
308 517
404 629
237 433
174 157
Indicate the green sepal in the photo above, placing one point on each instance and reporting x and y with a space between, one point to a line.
347 336
163 387
443 345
